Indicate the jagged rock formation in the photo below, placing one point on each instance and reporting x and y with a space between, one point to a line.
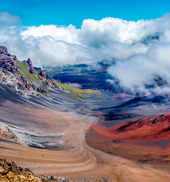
26 83
21 76
30 66
7 61
42 74
31 69
34 70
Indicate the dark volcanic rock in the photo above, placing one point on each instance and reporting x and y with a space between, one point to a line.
21 93
30 66
5 79
41 90
42 73
9 171
8 65
21 85
7 61
10 167
33 87
14 57
26 83
3 50
47 83
54 83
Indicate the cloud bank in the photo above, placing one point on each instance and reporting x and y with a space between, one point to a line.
7 19
141 49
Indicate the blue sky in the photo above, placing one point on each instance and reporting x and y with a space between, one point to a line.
65 12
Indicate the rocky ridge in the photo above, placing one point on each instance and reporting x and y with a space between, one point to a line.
22 77
7 61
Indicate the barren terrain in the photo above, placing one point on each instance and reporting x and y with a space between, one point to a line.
70 156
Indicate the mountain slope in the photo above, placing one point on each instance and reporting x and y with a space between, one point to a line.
146 130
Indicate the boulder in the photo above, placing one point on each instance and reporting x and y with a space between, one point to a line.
21 93
5 79
14 57
33 87
42 74
41 90
54 83
20 85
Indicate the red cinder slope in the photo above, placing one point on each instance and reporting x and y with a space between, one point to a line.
144 130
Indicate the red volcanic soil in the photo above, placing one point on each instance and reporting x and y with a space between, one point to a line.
96 91
145 130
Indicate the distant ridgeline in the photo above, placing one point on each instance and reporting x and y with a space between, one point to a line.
88 76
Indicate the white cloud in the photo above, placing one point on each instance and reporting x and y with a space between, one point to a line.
134 73
6 18
139 58
97 33
67 34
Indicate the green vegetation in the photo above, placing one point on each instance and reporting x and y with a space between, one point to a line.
44 83
23 71
77 93
76 96
42 94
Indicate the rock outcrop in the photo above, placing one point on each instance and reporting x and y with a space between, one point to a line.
30 66
42 91
6 133
5 79
10 172
7 61
25 82
42 74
